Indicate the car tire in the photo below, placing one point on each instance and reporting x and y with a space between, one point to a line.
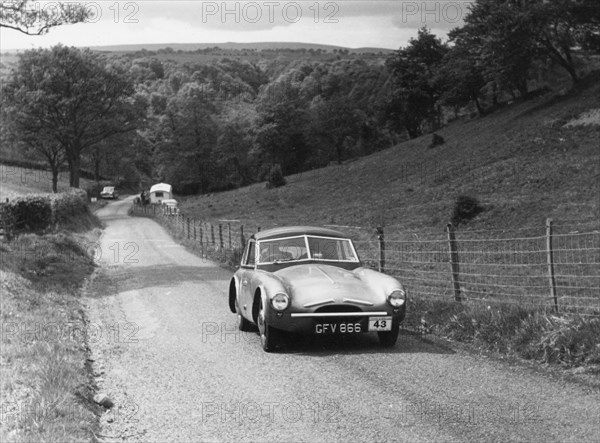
388 339
268 335
242 323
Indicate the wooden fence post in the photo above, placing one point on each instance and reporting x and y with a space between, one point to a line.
195 238
242 239
221 236
454 262
212 234
550 257
229 233
381 249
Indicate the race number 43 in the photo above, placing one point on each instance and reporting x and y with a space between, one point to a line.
380 323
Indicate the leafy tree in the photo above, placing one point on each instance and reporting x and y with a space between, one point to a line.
74 98
560 25
499 30
335 125
32 18
188 132
461 75
279 136
414 91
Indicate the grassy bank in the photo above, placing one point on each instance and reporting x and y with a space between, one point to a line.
46 387
520 331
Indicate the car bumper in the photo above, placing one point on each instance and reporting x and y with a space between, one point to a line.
331 322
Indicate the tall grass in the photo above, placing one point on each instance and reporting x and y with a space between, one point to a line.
523 331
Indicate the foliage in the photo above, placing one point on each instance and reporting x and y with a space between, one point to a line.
29 18
275 178
216 119
39 212
72 97
465 208
436 140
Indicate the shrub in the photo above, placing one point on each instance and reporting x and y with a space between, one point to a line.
30 213
275 178
465 209
436 140
38 212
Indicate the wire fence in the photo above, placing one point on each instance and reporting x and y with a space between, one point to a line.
551 266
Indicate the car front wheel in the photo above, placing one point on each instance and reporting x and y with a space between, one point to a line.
268 335
242 324
387 339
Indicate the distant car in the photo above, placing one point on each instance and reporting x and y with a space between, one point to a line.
171 206
309 280
109 192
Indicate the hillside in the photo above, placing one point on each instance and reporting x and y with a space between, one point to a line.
231 46
16 181
523 163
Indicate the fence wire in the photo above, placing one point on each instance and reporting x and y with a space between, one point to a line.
495 266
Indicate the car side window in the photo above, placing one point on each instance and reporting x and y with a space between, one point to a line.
250 258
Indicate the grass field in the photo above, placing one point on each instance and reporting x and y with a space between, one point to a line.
521 162
16 181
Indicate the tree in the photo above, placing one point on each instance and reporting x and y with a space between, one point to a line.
279 135
335 125
31 18
74 98
414 91
560 25
461 75
36 145
499 30
187 134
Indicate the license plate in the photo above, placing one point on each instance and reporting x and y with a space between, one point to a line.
380 323
338 328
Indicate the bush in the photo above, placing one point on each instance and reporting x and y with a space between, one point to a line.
436 140
465 209
275 177
31 213
38 212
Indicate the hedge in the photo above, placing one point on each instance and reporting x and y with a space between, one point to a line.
39 212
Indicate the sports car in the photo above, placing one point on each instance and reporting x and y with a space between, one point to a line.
309 280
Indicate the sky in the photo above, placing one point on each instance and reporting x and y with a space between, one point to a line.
348 23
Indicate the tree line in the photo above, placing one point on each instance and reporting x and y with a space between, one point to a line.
206 126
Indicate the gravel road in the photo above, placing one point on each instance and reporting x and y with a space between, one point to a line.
166 351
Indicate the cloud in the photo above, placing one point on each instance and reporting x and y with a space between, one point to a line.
385 24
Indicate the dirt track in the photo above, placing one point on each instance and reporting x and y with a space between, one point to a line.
167 352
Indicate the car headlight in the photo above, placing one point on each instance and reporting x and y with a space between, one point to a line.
396 298
280 301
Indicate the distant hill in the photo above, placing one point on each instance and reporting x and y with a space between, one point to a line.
258 46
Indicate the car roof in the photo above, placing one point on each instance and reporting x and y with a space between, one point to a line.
107 188
297 230
164 187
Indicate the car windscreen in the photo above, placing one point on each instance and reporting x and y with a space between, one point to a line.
302 248
332 249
